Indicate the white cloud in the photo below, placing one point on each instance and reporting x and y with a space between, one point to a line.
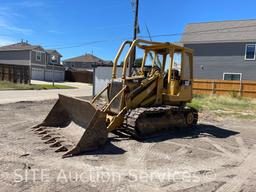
55 31
6 16
5 40
5 26
8 13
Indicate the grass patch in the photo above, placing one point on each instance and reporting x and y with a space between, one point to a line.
244 108
6 85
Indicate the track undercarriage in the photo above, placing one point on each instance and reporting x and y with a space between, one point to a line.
146 122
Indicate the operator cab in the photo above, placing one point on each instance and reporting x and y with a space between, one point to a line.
172 64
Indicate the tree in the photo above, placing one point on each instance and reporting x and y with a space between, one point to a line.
137 62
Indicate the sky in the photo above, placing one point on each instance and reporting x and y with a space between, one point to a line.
76 27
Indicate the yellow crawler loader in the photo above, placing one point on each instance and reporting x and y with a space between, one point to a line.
142 101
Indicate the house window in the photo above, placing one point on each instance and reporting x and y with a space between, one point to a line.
232 76
53 59
38 56
250 52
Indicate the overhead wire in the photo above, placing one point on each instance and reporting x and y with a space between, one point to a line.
209 31
216 30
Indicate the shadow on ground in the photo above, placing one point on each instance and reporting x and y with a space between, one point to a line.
107 149
200 130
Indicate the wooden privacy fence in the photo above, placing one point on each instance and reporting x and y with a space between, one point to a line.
14 73
223 87
79 76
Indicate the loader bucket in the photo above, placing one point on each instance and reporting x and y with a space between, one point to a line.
77 122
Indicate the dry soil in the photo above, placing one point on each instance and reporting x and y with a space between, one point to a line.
219 155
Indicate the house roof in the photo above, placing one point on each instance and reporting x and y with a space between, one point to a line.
88 58
53 52
20 46
220 31
26 46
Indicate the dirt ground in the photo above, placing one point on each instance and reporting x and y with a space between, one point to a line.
219 155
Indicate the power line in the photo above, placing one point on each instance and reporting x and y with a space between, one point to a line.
210 31
202 31
88 43
81 45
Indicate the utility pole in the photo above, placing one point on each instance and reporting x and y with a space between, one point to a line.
135 32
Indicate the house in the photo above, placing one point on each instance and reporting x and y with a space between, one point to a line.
85 62
39 62
223 50
80 69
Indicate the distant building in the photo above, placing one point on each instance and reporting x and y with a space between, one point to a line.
38 60
223 50
85 62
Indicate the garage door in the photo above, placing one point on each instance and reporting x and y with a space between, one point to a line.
58 75
38 74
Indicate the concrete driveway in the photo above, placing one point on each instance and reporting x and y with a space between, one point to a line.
13 96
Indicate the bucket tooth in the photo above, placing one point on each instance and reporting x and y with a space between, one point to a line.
46 137
39 129
37 126
61 149
49 141
42 133
56 144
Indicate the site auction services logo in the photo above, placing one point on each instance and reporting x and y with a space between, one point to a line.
106 176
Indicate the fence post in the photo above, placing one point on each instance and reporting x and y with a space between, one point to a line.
241 89
213 87
2 71
13 75
9 75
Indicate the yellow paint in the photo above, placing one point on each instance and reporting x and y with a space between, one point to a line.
140 91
